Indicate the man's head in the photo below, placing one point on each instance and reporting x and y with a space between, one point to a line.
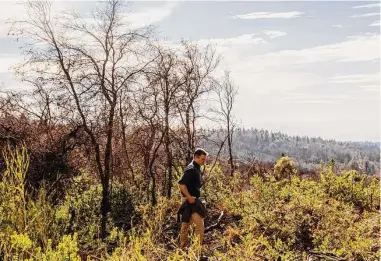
199 156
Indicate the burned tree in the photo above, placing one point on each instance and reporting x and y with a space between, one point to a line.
87 65
226 92
197 66
148 135
166 79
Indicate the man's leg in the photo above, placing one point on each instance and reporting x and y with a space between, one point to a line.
184 234
199 222
184 229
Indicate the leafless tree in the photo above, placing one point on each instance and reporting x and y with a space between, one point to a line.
226 92
165 76
197 66
87 65
148 131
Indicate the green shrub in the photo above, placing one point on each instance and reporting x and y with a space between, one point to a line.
284 168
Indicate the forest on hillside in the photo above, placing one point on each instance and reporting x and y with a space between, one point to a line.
94 145
308 152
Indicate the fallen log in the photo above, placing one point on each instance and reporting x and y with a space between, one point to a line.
328 256
217 224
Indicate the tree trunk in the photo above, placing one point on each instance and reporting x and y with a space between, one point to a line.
153 191
230 149
105 205
169 167
189 138
169 153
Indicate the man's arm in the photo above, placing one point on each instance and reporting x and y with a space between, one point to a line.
184 181
184 189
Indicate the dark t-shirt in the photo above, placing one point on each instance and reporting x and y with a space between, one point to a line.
192 179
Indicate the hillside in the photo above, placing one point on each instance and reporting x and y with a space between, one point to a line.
106 115
308 152
275 216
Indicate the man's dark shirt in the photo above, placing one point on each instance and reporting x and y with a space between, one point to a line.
192 179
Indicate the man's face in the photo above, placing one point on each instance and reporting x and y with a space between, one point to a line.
200 159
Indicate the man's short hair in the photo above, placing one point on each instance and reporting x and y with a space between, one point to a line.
199 152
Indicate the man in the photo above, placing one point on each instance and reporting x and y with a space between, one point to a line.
190 185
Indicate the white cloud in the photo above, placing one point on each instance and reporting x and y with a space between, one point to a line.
291 91
274 34
7 61
366 6
356 78
9 10
151 16
337 26
370 88
316 101
233 49
302 97
239 40
362 82
347 51
376 23
13 10
271 82
262 15
366 89
366 15
264 72
4 28
227 46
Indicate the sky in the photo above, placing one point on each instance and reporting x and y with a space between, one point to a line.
302 68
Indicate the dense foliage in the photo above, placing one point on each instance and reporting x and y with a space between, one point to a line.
277 216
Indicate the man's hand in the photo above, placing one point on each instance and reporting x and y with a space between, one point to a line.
191 200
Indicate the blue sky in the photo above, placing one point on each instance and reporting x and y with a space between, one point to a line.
307 68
